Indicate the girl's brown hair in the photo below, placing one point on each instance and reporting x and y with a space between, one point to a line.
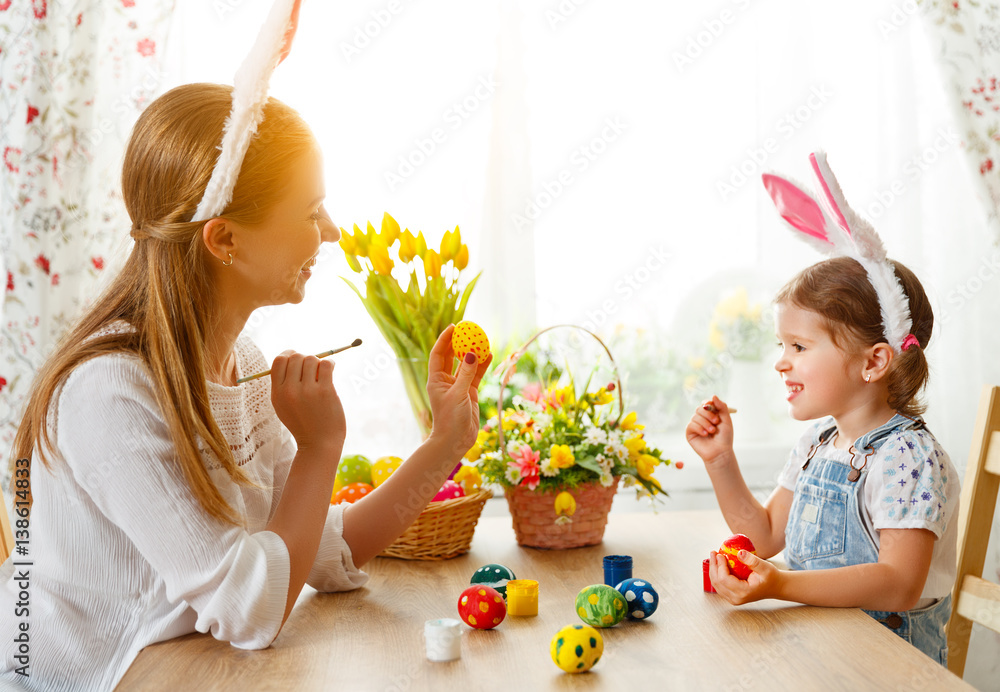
164 291
839 291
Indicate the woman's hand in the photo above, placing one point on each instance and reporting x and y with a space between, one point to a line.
764 580
454 398
306 401
710 433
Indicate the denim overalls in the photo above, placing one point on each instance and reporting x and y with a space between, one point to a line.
829 526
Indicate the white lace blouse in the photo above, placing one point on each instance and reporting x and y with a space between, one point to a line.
121 553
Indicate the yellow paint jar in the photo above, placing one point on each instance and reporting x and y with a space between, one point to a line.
522 597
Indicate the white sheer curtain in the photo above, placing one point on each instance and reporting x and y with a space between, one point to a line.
73 78
611 177
622 164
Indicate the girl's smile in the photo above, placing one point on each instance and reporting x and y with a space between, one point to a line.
814 369
822 379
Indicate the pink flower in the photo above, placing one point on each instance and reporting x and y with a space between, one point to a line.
42 262
12 161
526 460
3 380
40 7
986 167
55 279
533 392
79 19
10 281
98 262
146 47
128 3
5 5
32 113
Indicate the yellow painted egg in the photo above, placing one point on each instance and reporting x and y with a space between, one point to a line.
576 648
469 478
469 336
383 468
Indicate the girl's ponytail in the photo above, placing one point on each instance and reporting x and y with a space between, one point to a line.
909 371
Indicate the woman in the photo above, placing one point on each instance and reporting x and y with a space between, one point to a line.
169 499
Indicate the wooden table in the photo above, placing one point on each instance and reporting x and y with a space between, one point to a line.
372 638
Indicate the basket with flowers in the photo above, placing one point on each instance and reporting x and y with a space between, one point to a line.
559 455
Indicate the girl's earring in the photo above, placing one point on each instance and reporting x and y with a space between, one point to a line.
230 262
868 378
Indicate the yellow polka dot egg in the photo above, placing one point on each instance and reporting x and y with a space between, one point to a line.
600 605
383 468
469 336
576 648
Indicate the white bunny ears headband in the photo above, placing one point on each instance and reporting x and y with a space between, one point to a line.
835 229
249 96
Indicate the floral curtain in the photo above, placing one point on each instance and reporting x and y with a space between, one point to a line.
966 38
73 77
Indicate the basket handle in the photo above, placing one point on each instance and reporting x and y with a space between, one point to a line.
516 356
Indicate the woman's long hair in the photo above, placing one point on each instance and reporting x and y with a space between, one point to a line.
164 291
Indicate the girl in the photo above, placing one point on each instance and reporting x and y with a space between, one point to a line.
167 499
865 507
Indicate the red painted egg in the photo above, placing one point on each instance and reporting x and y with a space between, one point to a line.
482 607
731 548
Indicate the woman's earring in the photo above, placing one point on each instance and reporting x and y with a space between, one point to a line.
868 377
230 262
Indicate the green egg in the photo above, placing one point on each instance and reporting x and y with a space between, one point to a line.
354 469
600 605
495 576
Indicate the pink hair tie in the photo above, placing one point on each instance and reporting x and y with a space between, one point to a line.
910 340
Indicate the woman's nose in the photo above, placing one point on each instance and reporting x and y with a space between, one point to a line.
329 233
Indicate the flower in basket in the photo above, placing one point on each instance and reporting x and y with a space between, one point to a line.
556 439
412 292
739 327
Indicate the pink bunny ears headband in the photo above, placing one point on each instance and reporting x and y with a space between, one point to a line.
836 230
249 96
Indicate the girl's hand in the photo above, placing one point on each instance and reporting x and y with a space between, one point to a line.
764 581
710 433
306 401
454 398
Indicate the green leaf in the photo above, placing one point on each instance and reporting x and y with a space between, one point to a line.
589 463
460 312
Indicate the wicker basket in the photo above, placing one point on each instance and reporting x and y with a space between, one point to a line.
442 531
534 516
533 511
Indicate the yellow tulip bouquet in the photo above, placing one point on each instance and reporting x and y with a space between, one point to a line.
410 318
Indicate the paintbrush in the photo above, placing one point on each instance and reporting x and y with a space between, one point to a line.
324 354
711 408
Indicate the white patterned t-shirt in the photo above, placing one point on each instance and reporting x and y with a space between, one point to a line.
910 483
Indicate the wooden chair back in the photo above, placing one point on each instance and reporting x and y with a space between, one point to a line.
974 599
